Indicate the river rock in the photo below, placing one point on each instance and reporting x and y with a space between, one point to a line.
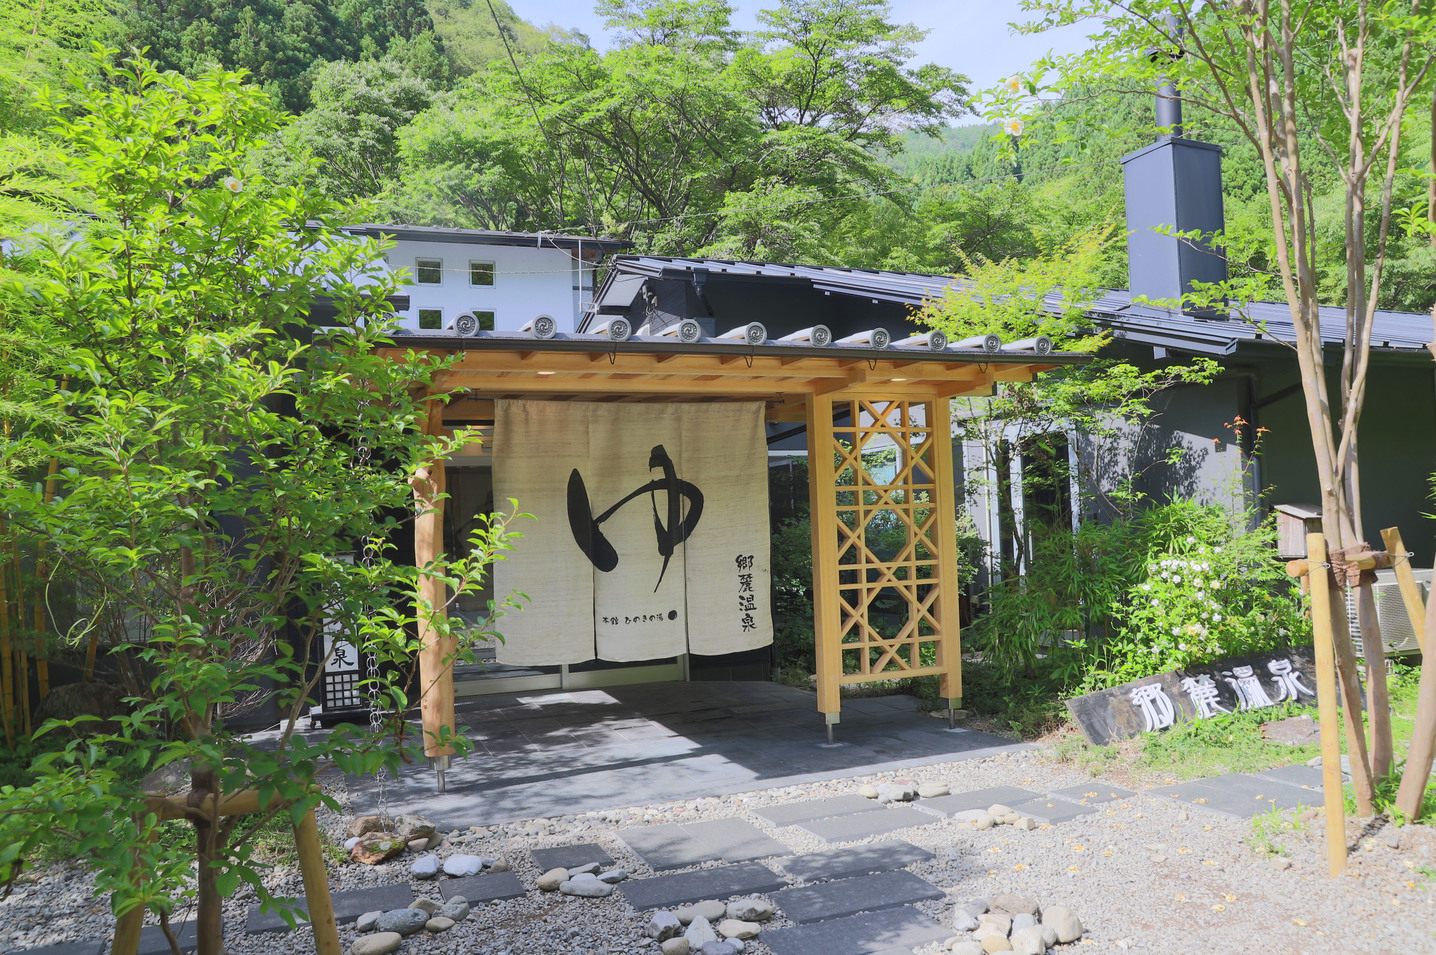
402 921
995 923
964 921
589 888
932 790
965 948
457 908
986 821
737 928
1027 941
442 923
700 932
1021 921
662 926
375 847
425 867
365 824
1016 905
1061 920
711 909
381 943
897 792
366 922
428 906
868 791
720 948
613 876
500 865
675 946
552 879
461 865
751 910
974 907
590 868
1026 823
410 826
996 943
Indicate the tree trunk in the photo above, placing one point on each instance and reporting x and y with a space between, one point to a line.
1361 781
1378 700
209 916
1423 734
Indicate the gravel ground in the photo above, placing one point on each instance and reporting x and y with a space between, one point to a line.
1144 875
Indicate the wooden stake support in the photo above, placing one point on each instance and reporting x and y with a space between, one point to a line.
1406 581
317 899
1321 609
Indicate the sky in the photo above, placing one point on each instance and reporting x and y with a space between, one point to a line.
970 36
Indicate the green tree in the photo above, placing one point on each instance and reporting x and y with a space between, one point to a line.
221 461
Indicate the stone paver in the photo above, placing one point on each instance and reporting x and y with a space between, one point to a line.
92 947
888 930
855 860
1095 793
865 824
153 941
1239 795
1051 810
489 887
571 857
953 803
796 813
679 846
1301 776
656 892
844 897
348 906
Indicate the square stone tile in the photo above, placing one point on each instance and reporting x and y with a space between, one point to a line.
1240 796
864 824
571 857
1094 793
855 860
953 803
348 906
486 887
1051 810
722 882
719 840
884 931
1301 776
795 813
92 947
844 897
153 941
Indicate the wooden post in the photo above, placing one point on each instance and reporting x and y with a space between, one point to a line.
944 535
823 515
316 886
436 653
1319 582
1423 734
1406 580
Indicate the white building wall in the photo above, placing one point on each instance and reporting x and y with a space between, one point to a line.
528 282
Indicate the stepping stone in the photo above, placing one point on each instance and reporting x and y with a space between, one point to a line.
869 893
1087 795
857 860
571 857
664 891
153 941
491 887
725 840
795 813
950 805
1240 796
865 824
1051 811
348 906
1304 777
885 931
93 947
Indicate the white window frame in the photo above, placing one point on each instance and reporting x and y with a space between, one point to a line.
493 315
418 269
419 318
493 273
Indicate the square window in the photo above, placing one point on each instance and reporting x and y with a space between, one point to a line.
429 271
481 274
486 321
431 318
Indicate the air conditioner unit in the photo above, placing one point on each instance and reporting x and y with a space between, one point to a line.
1396 632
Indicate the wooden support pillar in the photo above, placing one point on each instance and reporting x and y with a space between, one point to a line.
823 516
436 654
1321 613
944 536
317 900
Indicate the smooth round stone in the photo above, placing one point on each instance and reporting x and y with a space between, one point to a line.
439 923
998 809
1061 920
685 914
367 921
1021 921
425 867
737 928
996 943
500 865
986 821
381 943
461 865
1027 941
700 932
552 879
965 948
897 792
964 921
1010 819
868 791
974 907
589 888
675 946
1016 905
932 790
1026 823
428 906
457 908
350 843
402 921
418 845
613 876
751 910
589 869
718 948
711 909
998 922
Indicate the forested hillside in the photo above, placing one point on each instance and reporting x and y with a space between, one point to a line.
816 138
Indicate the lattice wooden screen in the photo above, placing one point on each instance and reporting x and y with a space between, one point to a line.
884 544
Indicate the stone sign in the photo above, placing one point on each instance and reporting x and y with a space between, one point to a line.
1251 682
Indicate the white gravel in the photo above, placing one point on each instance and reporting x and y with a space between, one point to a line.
1143 875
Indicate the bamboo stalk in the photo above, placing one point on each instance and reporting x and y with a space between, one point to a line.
1406 580
316 886
1319 585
